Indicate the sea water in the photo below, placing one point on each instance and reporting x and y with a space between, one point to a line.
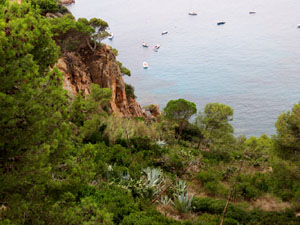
252 63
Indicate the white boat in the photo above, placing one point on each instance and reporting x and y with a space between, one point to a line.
193 13
156 47
111 36
145 65
165 32
298 25
145 45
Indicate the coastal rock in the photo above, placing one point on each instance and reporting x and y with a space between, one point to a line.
67 2
153 110
100 67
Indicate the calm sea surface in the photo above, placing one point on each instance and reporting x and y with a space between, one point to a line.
252 63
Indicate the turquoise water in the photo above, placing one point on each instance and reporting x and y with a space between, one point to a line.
252 63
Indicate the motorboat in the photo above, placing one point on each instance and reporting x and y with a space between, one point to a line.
145 65
111 36
221 23
193 13
298 25
165 32
156 47
145 45
252 12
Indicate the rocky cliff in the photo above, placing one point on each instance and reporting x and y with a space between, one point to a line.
98 67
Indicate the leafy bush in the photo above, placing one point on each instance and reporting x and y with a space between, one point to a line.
215 188
124 70
129 89
116 200
214 206
46 5
206 176
149 217
217 156
270 218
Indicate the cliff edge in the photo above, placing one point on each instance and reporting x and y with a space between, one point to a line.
100 67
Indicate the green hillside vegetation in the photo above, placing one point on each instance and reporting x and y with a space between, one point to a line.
66 161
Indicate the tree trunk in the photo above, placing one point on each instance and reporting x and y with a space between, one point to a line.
180 130
230 194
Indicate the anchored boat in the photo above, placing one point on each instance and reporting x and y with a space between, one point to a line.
145 45
111 36
145 65
193 13
221 23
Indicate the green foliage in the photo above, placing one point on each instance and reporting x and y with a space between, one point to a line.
215 126
129 89
68 161
71 35
236 214
115 200
258 149
123 69
83 110
115 52
182 201
287 139
180 111
214 206
45 5
149 217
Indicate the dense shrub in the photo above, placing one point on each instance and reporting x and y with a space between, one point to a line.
116 200
129 89
213 206
270 218
46 5
123 69
149 217
217 156
207 176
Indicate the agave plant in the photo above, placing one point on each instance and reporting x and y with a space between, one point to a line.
183 202
165 200
180 187
153 177
153 181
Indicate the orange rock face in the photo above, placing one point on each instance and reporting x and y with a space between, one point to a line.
98 67
67 2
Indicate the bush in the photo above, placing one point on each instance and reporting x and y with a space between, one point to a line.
129 89
150 217
251 187
114 199
217 156
207 176
46 5
215 188
270 218
213 206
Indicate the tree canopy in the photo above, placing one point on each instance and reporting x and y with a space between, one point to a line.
180 111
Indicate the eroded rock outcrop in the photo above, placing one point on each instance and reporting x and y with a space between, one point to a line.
98 67
67 2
